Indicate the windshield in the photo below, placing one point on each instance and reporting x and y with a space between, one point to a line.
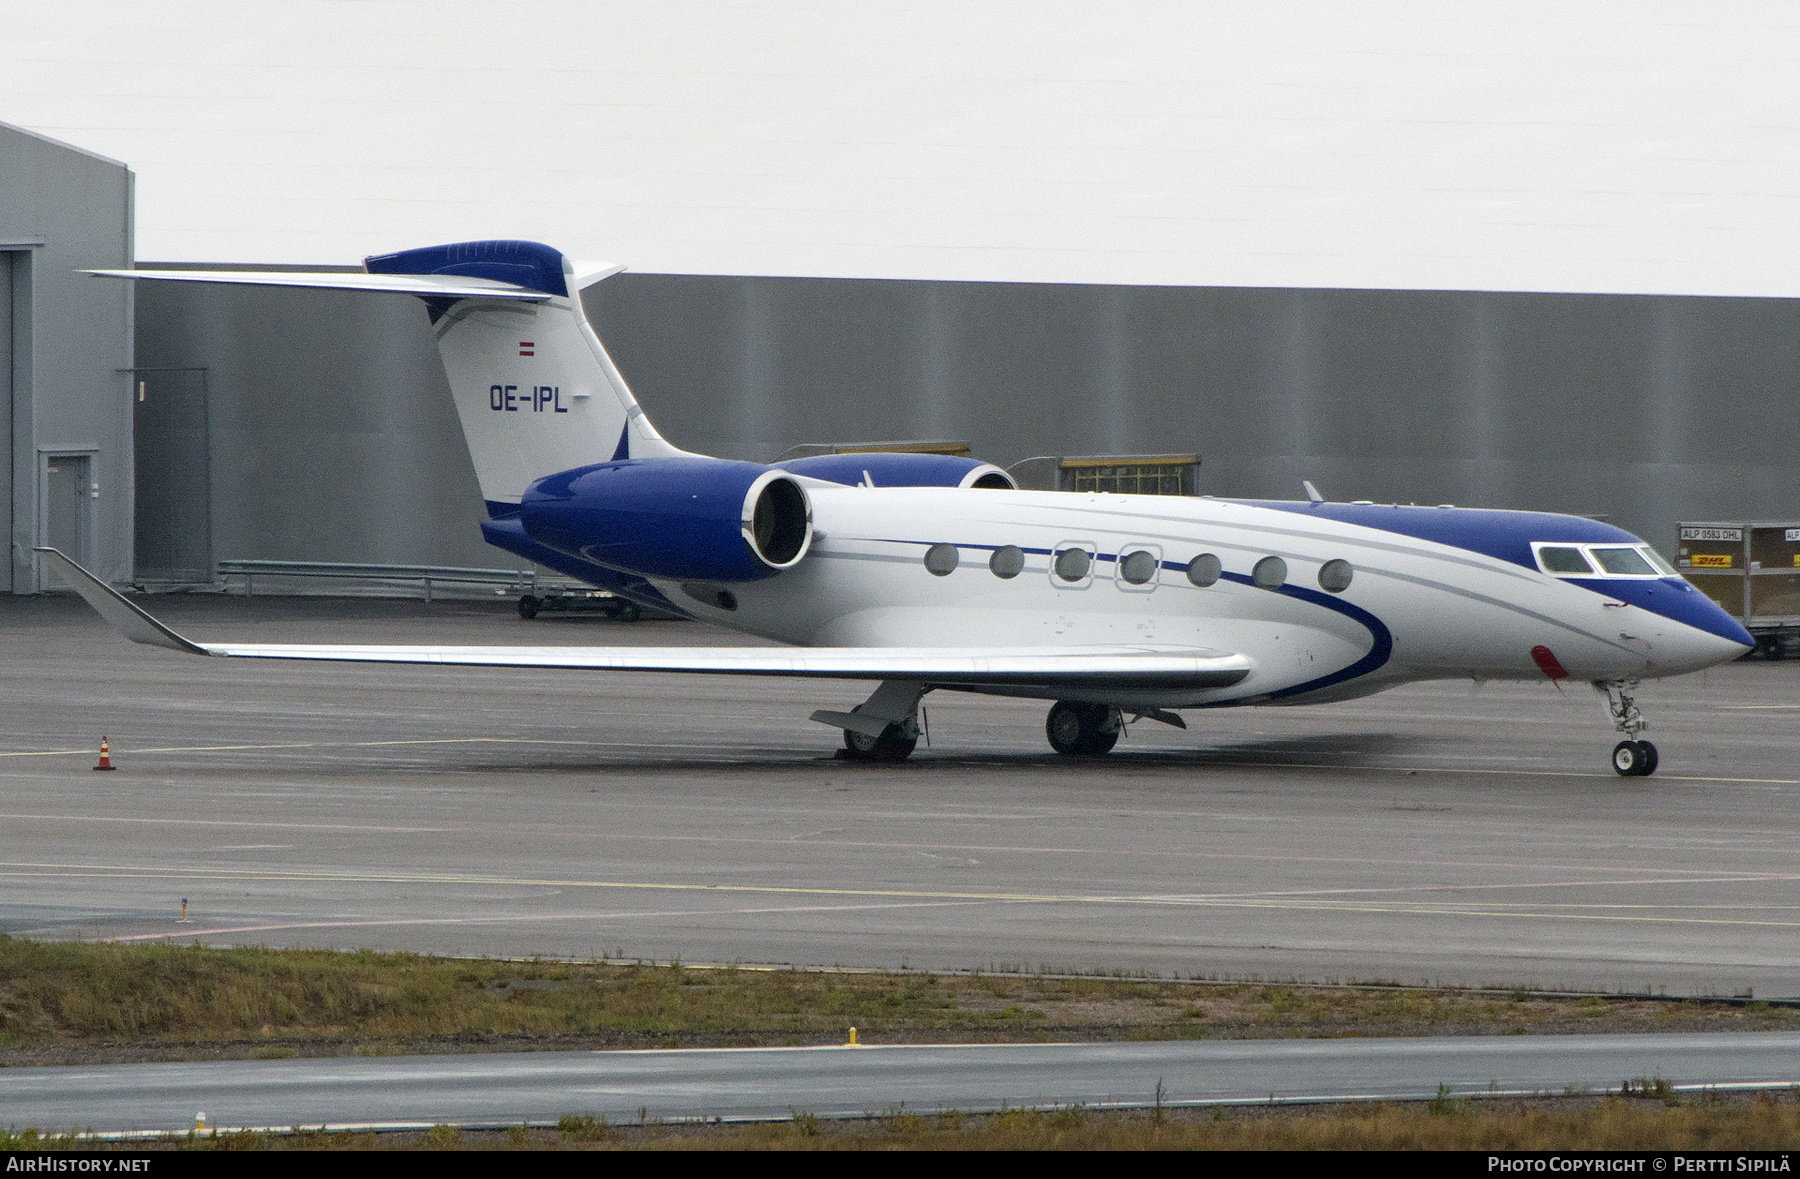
1602 560
1564 561
1627 562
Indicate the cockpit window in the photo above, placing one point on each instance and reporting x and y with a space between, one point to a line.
1601 560
1623 562
1563 560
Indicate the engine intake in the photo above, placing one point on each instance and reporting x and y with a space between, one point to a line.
777 520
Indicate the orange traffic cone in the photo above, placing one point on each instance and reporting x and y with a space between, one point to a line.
105 757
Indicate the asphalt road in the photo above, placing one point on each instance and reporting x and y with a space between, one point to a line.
846 1082
1458 833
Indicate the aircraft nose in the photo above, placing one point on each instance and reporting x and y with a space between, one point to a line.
1729 649
1723 626
1724 637
1705 635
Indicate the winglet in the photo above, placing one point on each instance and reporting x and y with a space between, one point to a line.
113 606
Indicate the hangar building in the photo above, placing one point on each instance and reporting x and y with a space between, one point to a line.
66 474
1535 258
1637 408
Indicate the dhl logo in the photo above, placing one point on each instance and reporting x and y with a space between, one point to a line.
1712 560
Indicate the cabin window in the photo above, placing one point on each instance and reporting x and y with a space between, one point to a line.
1007 562
1269 573
1335 575
941 559
1073 565
1204 570
1138 567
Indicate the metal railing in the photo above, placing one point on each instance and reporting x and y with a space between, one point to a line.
520 581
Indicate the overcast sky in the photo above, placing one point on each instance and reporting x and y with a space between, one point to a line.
1639 147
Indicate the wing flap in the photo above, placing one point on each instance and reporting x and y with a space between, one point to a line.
1095 667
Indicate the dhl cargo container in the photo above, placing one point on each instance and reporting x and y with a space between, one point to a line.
1752 569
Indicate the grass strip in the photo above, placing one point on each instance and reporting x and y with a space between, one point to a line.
90 1003
1764 1122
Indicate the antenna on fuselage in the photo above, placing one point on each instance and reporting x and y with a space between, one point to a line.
1312 493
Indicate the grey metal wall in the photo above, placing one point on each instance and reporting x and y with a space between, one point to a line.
333 436
331 432
1644 409
66 339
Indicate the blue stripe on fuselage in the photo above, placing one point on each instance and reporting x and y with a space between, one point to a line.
1509 536
1381 639
1506 535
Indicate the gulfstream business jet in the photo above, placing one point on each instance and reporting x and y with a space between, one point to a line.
927 573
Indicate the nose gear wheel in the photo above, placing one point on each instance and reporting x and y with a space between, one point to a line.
1634 759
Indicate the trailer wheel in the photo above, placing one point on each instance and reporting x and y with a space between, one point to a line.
528 607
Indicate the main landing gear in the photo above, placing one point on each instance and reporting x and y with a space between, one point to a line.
885 727
1632 757
1083 730
894 743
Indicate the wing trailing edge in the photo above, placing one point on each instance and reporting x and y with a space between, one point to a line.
1143 667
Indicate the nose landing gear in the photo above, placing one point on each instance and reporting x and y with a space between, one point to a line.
1632 757
1085 730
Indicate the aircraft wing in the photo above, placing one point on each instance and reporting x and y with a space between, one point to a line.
1137 667
442 285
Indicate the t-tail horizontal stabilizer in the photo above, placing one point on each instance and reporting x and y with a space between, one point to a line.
1112 669
431 286
534 388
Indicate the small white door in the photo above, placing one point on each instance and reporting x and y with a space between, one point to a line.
68 491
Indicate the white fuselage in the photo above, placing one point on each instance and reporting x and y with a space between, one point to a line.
1415 610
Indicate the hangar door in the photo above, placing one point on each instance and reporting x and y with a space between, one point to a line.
172 453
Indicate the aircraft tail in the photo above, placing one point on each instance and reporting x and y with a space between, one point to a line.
534 388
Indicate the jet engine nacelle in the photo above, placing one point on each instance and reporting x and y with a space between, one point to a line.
698 519
899 469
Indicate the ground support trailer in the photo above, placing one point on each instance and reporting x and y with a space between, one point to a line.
1752 569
